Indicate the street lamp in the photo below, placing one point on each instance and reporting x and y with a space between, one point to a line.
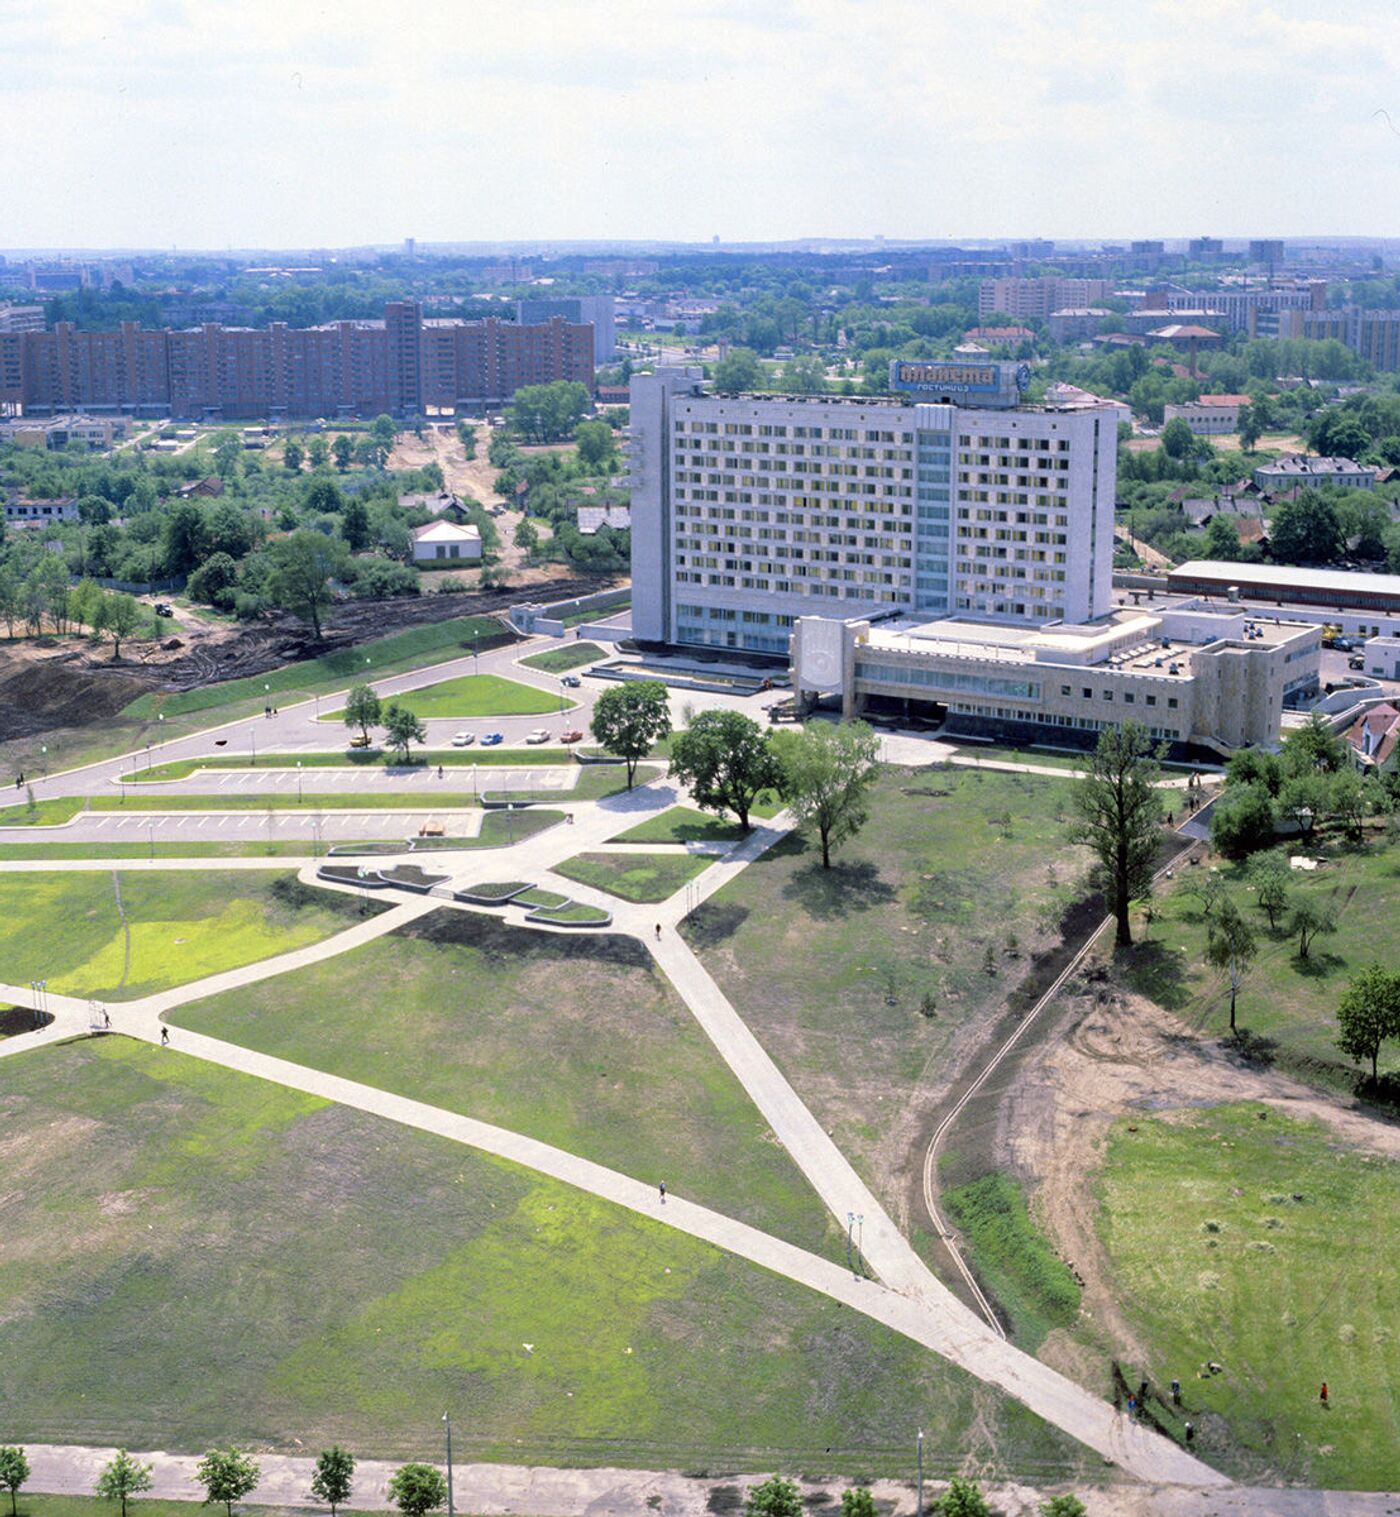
151 834
298 782
148 755
160 731
919 1509
852 1220
447 1418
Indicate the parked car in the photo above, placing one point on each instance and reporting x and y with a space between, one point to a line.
492 738
359 742
572 681
463 739
539 735
1357 661
163 608
573 735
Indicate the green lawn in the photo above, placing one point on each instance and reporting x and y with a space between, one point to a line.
572 914
249 850
473 695
1286 1005
54 813
578 1043
832 968
595 782
1268 1248
68 928
466 758
682 824
635 876
561 660
195 1256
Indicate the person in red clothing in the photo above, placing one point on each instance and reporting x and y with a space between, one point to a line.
1323 1397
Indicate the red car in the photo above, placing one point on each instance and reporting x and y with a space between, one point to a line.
573 735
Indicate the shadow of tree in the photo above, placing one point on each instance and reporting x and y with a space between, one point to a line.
1252 1047
711 923
1319 964
1157 972
837 892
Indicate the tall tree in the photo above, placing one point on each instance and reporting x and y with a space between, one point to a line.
120 617
317 451
1310 920
1313 748
1118 810
185 539
1270 877
227 1475
293 457
827 774
341 449
122 1478
402 727
1369 1014
302 568
727 761
417 1489
1305 530
228 453
354 524
1248 428
738 370
362 709
334 1478
630 719
14 1471
1230 947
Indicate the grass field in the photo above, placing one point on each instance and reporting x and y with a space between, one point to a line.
561 660
1287 1005
464 758
61 809
957 870
68 928
193 1255
1255 1244
473 695
578 1043
682 824
635 876
51 850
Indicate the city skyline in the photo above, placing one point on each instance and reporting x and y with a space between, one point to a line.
158 124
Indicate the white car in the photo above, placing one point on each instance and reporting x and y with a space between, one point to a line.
463 739
539 735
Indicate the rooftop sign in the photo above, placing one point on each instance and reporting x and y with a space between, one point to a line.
980 380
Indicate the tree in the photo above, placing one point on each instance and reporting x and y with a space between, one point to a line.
1254 766
548 412
1306 531
417 1489
384 433
341 449
228 451
122 1478
630 719
1368 1014
362 709
292 457
317 451
185 540
597 447
963 1498
302 567
402 727
325 498
14 1471
738 370
1348 801
1248 427
1118 809
857 1502
230 530
354 524
1313 748
213 582
334 1477
774 1497
1178 440
1309 921
227 1475
527 537
1230 947
1064 1506
1242 821
120 615
1222 540
1271 879
727 761
1303 800
827 772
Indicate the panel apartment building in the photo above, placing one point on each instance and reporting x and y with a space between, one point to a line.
1035 298
402 365
749 511
945 552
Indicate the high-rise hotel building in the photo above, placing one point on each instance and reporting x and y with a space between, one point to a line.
947 499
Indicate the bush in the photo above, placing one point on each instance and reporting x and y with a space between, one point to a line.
451 586
1243 821
378 579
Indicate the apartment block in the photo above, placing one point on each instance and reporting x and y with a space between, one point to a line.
402 365
750 511
1371 334
1036 298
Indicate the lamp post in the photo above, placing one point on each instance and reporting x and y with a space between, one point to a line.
160 730
151 836
919 1509
852 1219
447 1418
298 782
148 755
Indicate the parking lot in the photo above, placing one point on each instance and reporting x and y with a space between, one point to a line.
250 827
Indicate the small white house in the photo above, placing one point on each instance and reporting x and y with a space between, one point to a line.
446 542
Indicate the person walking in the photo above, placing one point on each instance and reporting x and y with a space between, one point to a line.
1190 1433
658 931
1176 1392
1323 1396
663 1193
165 1037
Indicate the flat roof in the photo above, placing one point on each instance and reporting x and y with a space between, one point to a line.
1243 575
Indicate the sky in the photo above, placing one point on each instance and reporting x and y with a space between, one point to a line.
247 123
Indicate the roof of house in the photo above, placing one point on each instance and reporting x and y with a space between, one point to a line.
1177 329
1221 400
1304 466
1375 734
445 532
591 518
1248 576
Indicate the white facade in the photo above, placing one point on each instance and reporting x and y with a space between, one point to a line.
446 542
749 511
1210 416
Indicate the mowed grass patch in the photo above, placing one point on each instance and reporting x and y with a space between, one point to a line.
635 876
466 758
561 660
956 869
682 824
471 695
1267 1247
68 927
248 850
349 1277
1013 1259
1287 1006
578 1042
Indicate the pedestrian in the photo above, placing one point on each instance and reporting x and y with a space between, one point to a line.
1190 1433
1176 1392
1323 1397
165 1037
106 1018
1142 1393
658 931
1171 819
1132 1408
663 1193
439 771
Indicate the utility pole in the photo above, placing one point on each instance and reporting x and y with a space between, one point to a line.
919 1510
447 1418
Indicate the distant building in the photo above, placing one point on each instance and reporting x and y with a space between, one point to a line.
1302 469
1186 335
1205 247
1373 335
41 513
1035 298
1209 416
1266 250
592 519
18 318
1146 247
208 488
1374 739
1011 335
446 542
1074 323
48 432
596 310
